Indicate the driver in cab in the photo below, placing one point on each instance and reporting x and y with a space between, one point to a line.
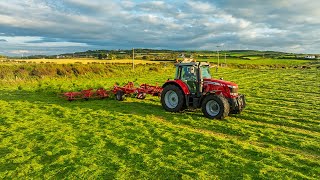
189 74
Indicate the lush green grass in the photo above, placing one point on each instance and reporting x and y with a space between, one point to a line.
276 137
258 61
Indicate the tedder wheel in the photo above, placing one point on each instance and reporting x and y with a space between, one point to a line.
141 95
120 95
172 98
215 107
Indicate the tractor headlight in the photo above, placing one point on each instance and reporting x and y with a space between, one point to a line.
233 90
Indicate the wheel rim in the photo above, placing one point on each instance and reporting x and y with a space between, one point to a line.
171 99
212 108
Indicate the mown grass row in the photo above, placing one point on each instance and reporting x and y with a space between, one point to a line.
259 61
276 137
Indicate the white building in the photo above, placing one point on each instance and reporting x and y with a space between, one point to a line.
310 57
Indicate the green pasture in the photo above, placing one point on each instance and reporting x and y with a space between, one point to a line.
257 61
43 136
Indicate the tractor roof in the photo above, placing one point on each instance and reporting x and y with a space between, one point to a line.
191 63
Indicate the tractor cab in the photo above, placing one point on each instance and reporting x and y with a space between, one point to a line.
193 73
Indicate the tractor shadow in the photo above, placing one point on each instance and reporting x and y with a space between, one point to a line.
150 106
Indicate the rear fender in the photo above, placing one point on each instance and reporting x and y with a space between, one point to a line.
180 84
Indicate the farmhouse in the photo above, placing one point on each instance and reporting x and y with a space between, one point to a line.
310 57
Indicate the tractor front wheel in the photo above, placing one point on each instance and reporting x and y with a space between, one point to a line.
215 107
172 98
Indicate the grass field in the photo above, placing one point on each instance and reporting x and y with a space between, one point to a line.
276 137
258 61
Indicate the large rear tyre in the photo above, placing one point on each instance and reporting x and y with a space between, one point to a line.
215 107
172 98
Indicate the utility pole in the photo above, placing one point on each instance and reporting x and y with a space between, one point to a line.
133 59
225 58
218 58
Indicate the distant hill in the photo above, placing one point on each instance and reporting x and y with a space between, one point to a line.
165 54
155 54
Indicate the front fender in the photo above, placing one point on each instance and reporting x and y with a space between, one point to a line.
213 92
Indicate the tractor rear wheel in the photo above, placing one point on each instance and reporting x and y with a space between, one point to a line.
215 107
172 98
120 95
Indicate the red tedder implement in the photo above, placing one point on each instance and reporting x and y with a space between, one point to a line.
120 92
140 92
86 94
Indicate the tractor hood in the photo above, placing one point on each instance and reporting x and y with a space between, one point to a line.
220 82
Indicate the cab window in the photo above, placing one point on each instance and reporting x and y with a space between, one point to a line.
205 72
188 73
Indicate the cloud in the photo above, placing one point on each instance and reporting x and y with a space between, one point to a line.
74 25
19 51
3 40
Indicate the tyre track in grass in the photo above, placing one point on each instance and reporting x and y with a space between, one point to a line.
281 121
281 137
301 132
291 110
293 92
288 105
306 116
279 126
236 139
298 103
274 135
283 106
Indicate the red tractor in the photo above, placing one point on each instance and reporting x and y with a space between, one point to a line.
193 87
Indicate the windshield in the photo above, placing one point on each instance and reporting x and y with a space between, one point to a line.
205 72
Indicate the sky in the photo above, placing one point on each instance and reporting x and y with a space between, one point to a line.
29 27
